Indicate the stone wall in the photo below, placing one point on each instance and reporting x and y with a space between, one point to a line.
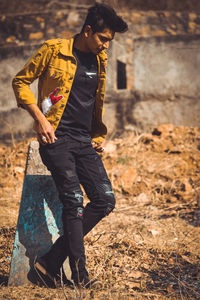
146 5
14 122
167 65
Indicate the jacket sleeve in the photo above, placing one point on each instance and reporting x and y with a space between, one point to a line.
31 71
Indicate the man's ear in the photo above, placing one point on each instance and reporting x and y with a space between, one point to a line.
87 30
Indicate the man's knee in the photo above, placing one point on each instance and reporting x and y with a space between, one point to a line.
108 199
73 203
108 194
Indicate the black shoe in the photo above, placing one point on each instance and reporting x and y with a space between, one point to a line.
50 276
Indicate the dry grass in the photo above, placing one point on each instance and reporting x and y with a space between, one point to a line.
148 248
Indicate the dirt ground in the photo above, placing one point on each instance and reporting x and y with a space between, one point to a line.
148 248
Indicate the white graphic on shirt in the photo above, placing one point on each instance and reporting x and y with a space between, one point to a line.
91 74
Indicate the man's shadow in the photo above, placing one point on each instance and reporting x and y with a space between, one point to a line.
39 225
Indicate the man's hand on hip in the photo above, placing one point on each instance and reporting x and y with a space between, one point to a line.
99 147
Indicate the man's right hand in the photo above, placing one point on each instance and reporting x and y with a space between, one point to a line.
45 131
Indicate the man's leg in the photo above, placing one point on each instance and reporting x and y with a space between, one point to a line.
94 179
60 160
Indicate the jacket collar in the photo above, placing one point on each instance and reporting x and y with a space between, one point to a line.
67 47
103 55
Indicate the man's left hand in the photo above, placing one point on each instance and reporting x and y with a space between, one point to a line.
99 147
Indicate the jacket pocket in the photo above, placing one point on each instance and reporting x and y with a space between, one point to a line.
55 74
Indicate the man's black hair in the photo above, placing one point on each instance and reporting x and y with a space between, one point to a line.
101 16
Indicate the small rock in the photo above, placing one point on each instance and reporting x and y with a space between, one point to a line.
62 23
144 31
110 147
59 14
66 34
166 14
192 16
197 29
28 26
154 232
171 31
158 33
50 31
192 26
187 185
11 39
143 198
179 14
127 179
136 15
129 42
19 170
133 285
163 129
39 19
135 274
36 36
42 25
73 18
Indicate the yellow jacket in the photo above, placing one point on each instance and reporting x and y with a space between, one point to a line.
55 66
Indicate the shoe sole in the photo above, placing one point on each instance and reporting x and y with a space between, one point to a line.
39 267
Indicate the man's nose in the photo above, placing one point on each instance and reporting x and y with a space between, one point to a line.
106 45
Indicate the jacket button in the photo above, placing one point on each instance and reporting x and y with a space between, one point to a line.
67 91
70 78
62 105
57 119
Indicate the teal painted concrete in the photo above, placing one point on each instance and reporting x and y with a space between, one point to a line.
39 225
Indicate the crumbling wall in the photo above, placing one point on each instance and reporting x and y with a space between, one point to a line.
170 5
167 65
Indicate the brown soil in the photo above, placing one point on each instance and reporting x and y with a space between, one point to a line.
148 248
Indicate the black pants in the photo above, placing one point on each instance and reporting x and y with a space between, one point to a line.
72 163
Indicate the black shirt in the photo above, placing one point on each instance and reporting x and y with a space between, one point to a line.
77 117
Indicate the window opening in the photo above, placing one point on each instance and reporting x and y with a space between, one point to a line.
121 75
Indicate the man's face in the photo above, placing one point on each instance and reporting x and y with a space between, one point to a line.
96 42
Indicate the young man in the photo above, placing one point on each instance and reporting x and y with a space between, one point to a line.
70 130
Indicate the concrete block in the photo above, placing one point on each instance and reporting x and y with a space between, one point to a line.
39 222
